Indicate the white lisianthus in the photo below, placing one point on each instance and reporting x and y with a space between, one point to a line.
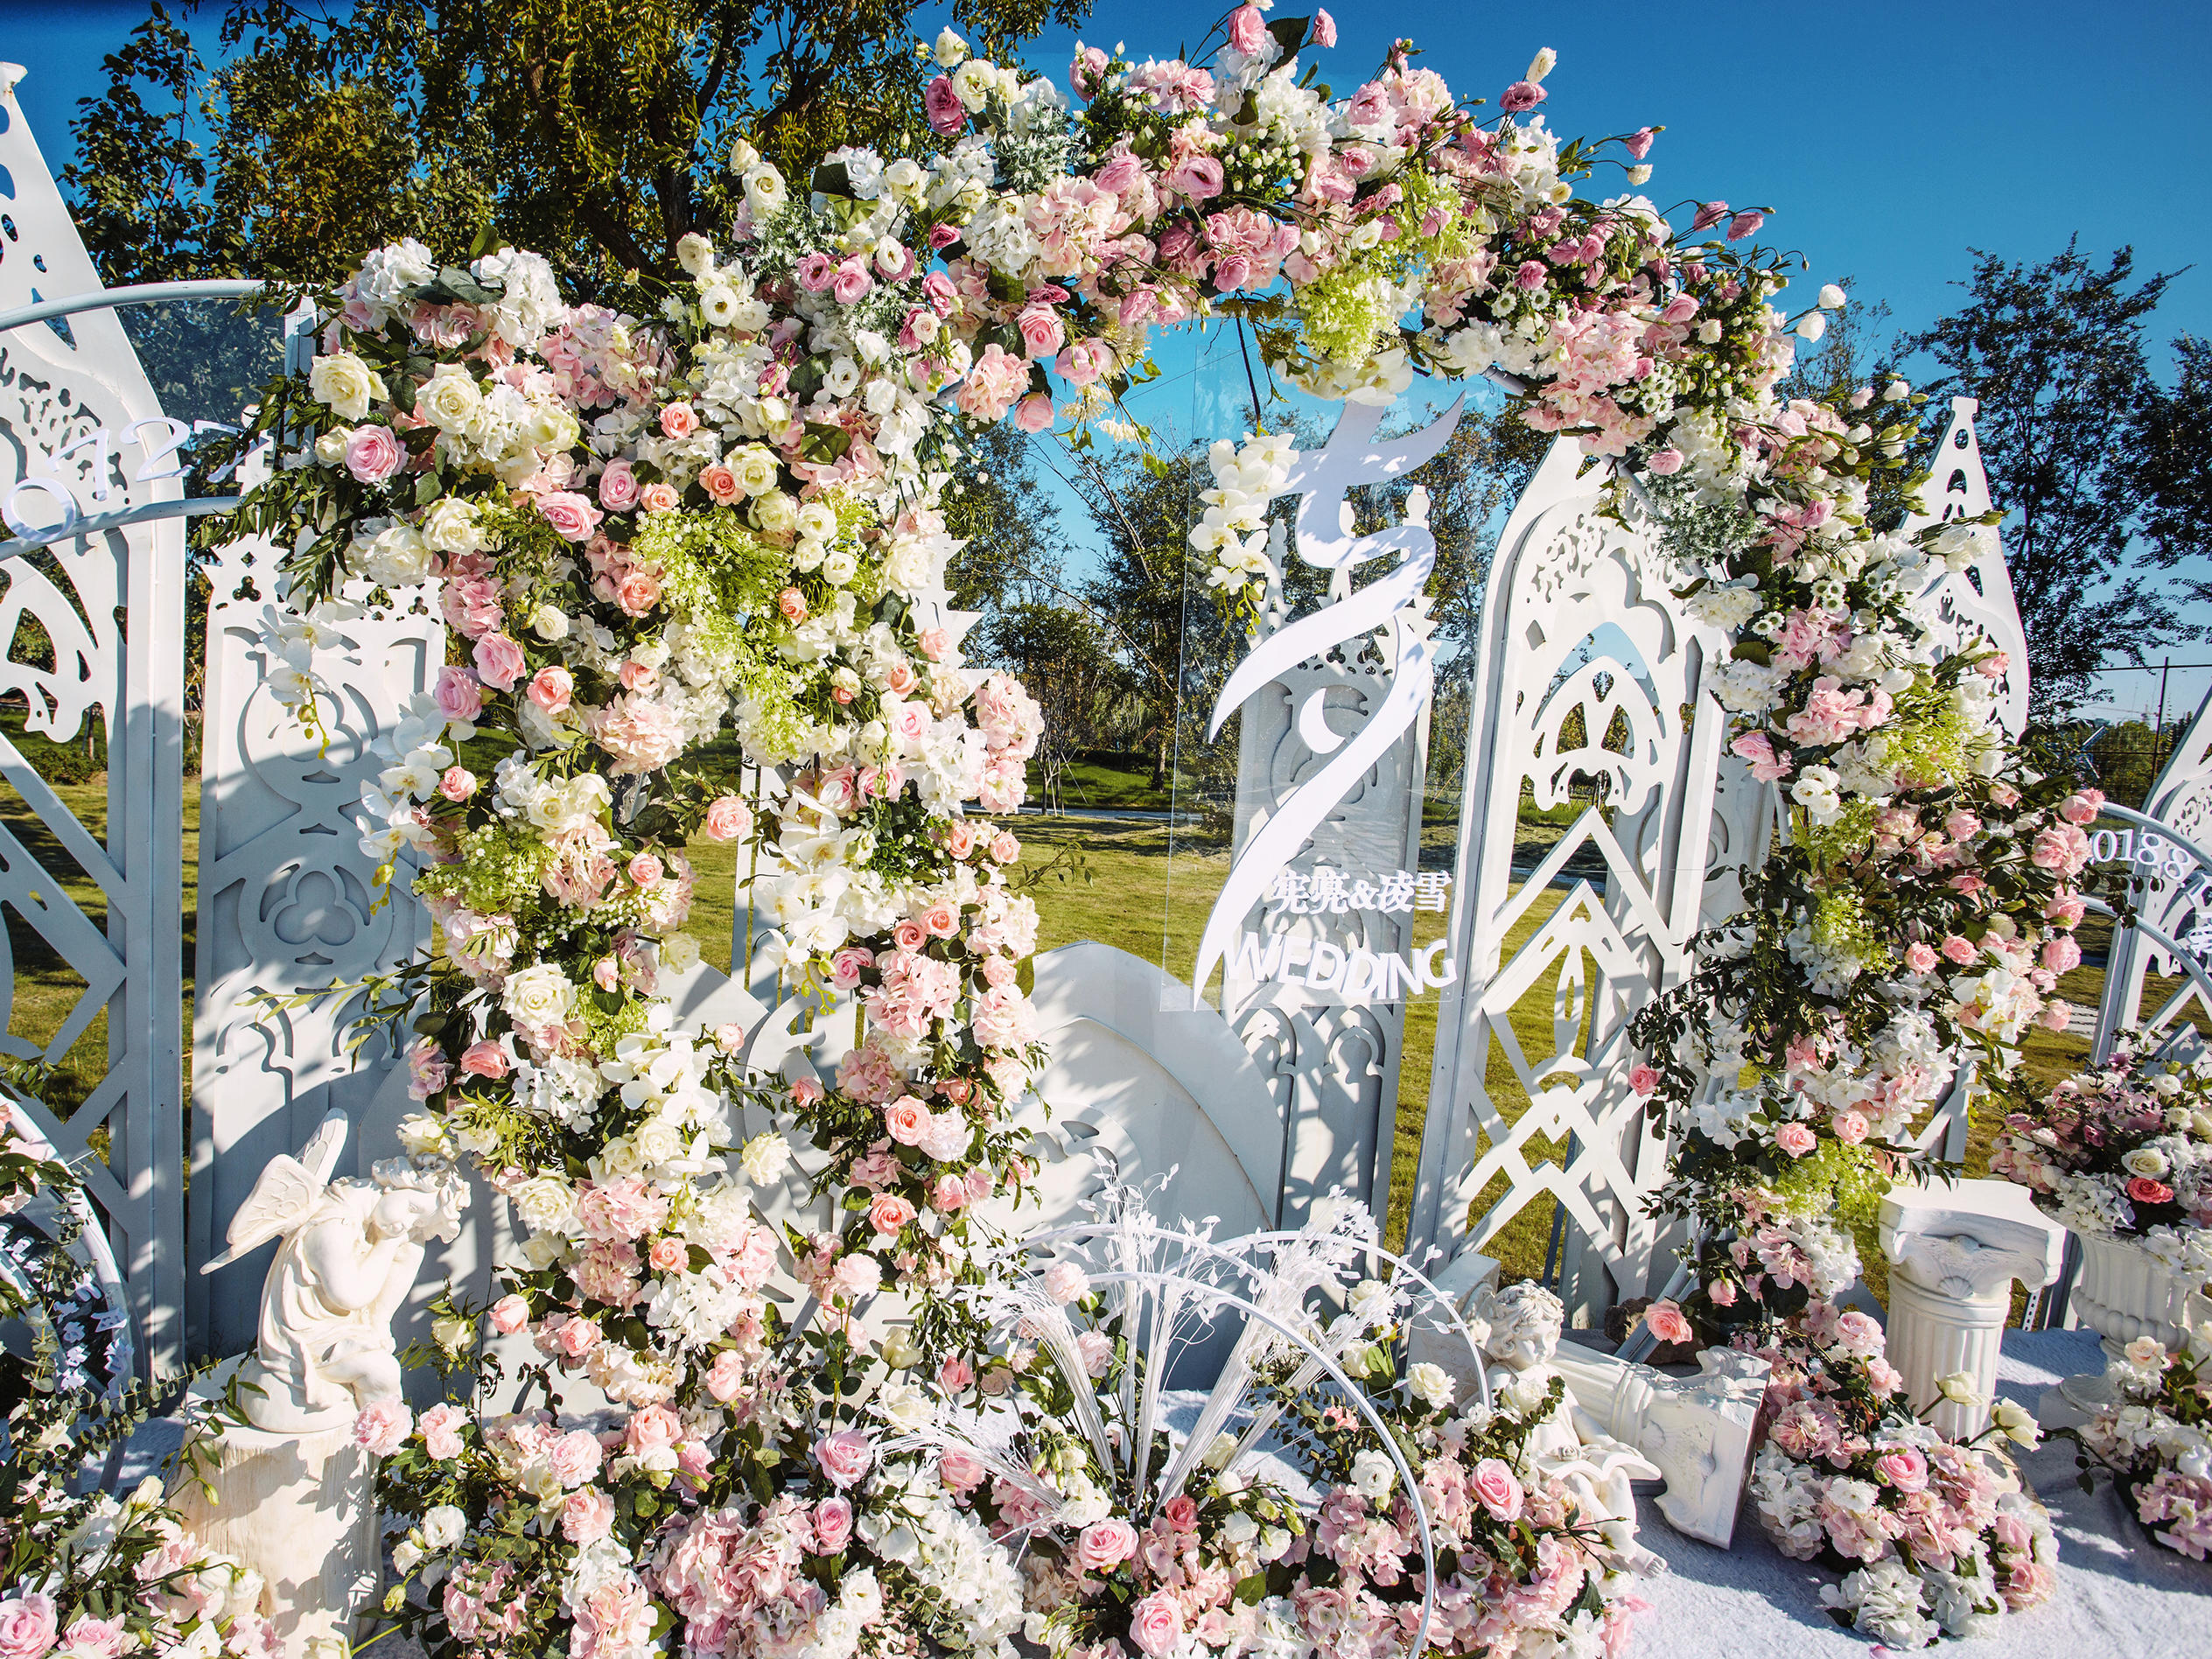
695 253
443 1526
950 50
1812 325
1831 298
1373 1475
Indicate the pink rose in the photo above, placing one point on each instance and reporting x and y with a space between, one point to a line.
1032 414
1105 1545
373 454
500 662
587 1517
942 107
90 1638
2144 1190
460 695
679 421
2082 807
1156 1624
574 1457
1667 1322
550 688
1850 1127
1498 1489
618 487
955 1375
1920 957
1905 1468
907 1120
572 515
1959 950
28 1625
1642 1078
888 1212
2061 955
382 1427
725 1378
659 498
720 484
793 605
805 1093
832 1524
1181 1512
457 783
637 590
1198 178
667 1255
509 1314
940 920
576 1338
960 1469
728 817
441 1427
651 1428
1005 848
846 1456
1796 1139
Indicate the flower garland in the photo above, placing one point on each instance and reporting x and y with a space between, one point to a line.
723 507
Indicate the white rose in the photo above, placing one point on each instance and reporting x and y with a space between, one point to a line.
818 522
679 953
454 525
764 1158
1432 1384
330 448
903 1403
450 399
2147 1161
546 1205
346 383
395 556
540 996
776 514
421 1135
765 191
755 469
443 1526
549 622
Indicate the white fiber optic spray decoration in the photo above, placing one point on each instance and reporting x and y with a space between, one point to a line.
1321 477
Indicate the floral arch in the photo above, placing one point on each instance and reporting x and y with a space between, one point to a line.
719 513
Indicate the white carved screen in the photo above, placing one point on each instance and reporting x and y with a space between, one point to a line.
287 903
62 382
1579 617
2180 908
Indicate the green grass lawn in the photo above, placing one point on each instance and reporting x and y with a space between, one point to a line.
1132 887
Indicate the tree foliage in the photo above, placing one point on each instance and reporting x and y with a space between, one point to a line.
2055 354
594 131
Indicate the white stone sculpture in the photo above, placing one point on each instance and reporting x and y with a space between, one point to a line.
1522 1324
1954 1251
291 1494
1700 1431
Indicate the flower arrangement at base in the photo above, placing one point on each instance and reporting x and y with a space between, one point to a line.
87 1574
1931 1538
2124 1150
1323 1498
2155 1439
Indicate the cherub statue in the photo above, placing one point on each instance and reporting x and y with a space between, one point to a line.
351 1251
1524 1321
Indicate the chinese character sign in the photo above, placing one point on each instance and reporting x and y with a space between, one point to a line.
1329 961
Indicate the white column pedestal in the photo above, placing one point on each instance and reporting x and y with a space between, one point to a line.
1954 1251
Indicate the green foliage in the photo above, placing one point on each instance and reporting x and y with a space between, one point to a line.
2069 409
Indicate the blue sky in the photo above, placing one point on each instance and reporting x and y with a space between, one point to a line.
1886 139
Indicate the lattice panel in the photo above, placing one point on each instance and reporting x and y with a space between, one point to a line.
94 916
1590 667
287 903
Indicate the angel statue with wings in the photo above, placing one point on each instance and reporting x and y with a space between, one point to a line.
350 1253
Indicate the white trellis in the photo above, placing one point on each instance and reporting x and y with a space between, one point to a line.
287 903
62 385
1579 618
